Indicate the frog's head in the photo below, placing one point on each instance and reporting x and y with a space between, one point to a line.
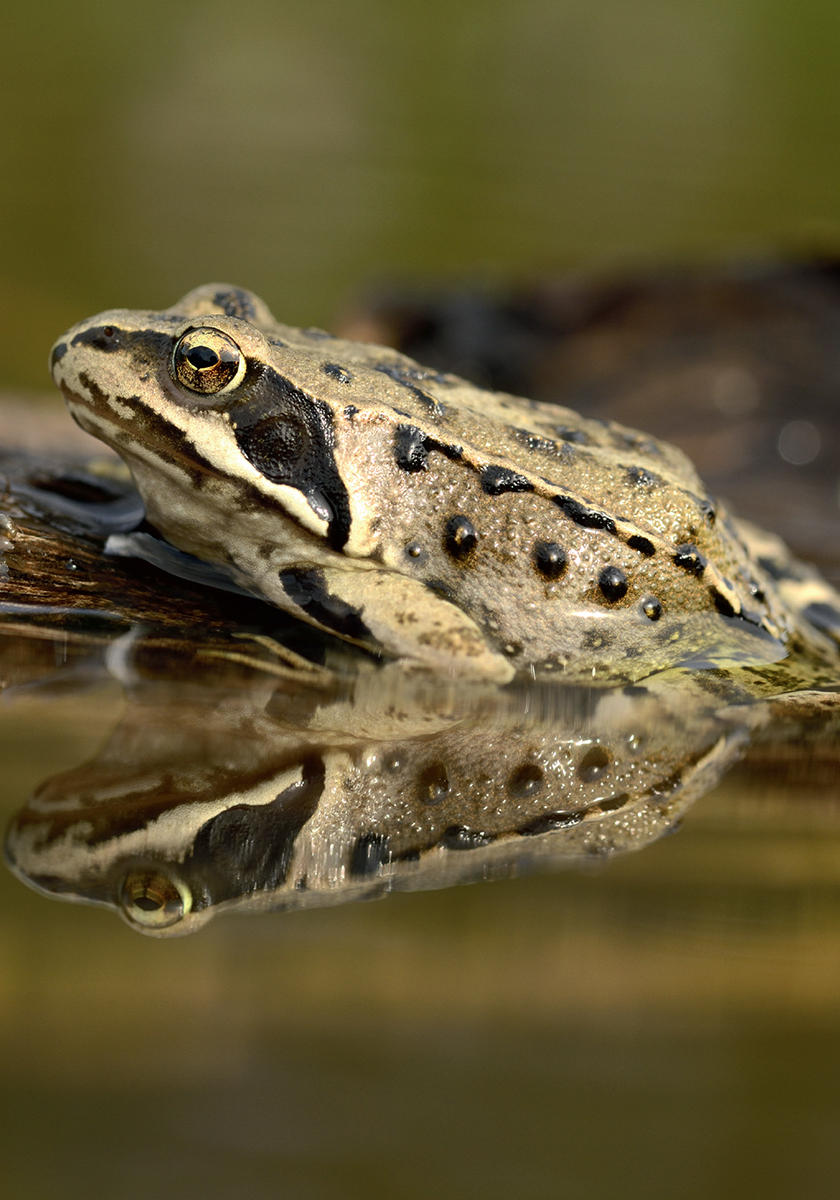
193 394
254 448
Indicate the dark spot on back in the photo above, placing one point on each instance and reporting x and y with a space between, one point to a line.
526 780
461 538
497 480
58 353
532 441
689 558
613 583
550 559
721 603
337 372
405 376
652 608
410 448
236 302
571 435
593 764
613 803
642 544
823 616
587 517
639 477
757 592
548 822
776 570
459 837
433 784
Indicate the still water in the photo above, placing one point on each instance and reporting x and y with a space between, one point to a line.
659 1018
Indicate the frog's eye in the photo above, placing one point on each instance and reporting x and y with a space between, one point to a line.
208 361
152 899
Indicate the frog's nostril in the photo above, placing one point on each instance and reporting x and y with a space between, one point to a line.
58 353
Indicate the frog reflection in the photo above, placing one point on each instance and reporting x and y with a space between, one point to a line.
299 796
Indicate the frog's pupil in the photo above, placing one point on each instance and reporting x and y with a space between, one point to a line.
202 357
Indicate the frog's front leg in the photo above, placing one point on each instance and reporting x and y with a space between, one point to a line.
387 612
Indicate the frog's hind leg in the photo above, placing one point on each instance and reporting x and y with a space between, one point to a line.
814 603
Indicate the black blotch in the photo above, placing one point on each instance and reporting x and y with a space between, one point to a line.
370 852
248 848
433 783
410 447
757 592
236 302
642 544
776 570
289 437
350 411
721 603
613 803
633 441
596 639
406 377
526 780
548 822
593 764
667 786
708 510
572 435
461 538
613 583
587 517
823 616
58 353
497 480
459 837
307 589
689 558
550 559
532 441
639 477
335 371
149 344
652 608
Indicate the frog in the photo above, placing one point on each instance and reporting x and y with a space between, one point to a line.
420 517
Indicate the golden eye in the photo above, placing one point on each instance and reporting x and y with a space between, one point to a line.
208 361
153 900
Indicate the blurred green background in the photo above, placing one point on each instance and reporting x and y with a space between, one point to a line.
309 147
665 1027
